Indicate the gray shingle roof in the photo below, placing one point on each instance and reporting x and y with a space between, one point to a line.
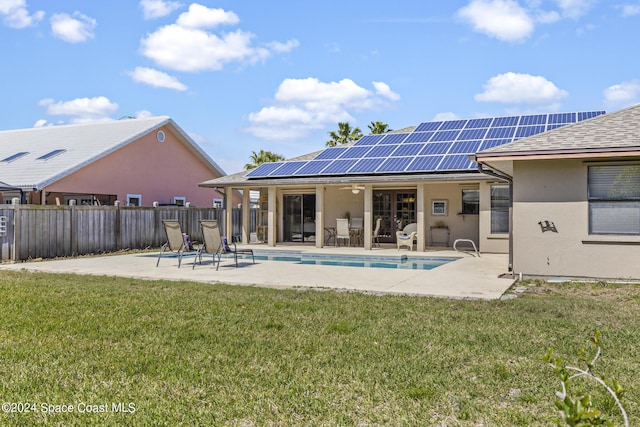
83 144
617 131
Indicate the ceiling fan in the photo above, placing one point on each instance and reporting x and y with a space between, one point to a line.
355 188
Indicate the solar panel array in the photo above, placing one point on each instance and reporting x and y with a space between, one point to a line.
438 146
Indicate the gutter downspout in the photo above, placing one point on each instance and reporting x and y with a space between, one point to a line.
509 179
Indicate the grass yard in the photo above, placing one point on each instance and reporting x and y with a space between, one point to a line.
143 353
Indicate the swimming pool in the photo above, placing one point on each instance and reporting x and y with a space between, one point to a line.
399 262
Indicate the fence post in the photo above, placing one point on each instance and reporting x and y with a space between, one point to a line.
73 232
16 229
118 227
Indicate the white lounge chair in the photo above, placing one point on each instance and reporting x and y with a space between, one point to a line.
407 236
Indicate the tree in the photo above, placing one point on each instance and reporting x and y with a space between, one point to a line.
379 127
262 157
344 135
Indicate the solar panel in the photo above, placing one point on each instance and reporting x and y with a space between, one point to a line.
369 139
419 137
287 168
422 127
431 147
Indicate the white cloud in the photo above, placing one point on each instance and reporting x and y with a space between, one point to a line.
152 9
40 123
81 109
142 114
156 78
630 10
16 15
514 88
200 16
384 90
502 19
73 29
301 106
187 46
623 94
575 8
446 116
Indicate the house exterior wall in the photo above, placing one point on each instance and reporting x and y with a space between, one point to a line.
158 171
556 191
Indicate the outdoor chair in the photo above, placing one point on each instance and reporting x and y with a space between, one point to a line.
407 236
216 245
342 231
376 232
176 240
355 228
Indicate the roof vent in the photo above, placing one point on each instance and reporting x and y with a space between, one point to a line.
160 136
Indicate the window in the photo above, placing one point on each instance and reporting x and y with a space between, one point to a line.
614 199
134 200
179 201
51 154
15 156
217 203
499 208
470 201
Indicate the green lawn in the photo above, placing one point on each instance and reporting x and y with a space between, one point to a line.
196 354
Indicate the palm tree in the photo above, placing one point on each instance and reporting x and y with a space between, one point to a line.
379 127
262 157
344 135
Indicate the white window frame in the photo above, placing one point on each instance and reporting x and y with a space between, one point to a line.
218 203
134 196
498 223
614 199
180 199
476 203
440 207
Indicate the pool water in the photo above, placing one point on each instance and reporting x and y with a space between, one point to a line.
398 262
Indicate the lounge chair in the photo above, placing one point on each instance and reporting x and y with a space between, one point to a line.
175 240
407 236
376 232
342 231
216 245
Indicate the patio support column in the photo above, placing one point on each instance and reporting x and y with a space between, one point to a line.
246 215
368 216
228 213
271 218
420 217
319 216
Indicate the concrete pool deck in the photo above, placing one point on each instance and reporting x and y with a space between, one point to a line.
469 277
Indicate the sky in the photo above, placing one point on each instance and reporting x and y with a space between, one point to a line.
241 76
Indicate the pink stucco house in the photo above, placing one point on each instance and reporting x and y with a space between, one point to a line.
134 161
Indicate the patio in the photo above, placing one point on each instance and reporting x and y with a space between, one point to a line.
469 277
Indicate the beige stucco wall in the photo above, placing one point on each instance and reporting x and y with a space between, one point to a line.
490 243
556 191
157 171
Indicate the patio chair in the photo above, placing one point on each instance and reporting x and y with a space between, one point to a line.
376 232
355 228
176 240
407 236
216 245
342 231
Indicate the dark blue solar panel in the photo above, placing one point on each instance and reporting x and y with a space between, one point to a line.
490 143
369 140
313 167
287 169
447 135
584 115
436 148
505 121
465 147
538 119
562 118
394 138
472 134
355 152
457 162
395 164
408 150
524 131
453 124
419 137
366 166
501 132
424 164
331 153
555 126
422 127
264 169
479 123
339 166
381 151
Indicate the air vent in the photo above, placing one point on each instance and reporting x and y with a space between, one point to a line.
160 136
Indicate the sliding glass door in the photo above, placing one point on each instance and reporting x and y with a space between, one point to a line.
299 218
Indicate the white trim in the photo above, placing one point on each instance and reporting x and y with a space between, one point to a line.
177 199
134 196
440 207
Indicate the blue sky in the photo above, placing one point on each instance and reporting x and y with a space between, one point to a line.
240 76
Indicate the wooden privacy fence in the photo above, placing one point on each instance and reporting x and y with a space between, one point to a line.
35 231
